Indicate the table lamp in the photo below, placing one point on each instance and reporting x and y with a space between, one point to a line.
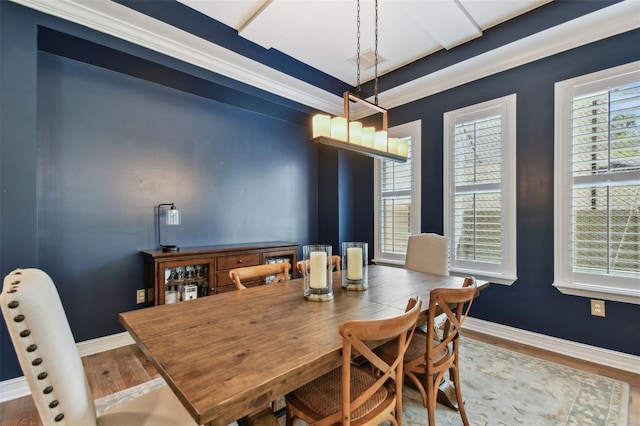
172 218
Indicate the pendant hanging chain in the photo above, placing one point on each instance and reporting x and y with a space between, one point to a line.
358 50
375 87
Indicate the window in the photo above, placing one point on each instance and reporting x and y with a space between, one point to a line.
397 201
597 185
479 189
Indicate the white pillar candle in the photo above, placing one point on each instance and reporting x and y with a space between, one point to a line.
354 263
393 145
321 125
381 140
339 128
368 136
355 132
318 269
403 148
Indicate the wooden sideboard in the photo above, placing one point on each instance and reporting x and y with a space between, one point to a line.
207 268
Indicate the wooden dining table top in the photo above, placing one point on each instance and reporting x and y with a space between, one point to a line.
228 355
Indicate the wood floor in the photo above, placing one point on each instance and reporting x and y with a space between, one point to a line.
121 368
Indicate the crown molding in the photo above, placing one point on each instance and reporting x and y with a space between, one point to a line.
126 24
119 21
607 22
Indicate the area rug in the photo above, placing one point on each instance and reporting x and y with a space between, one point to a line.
500 387
503 387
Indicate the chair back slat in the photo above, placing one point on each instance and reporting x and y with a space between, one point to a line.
280 270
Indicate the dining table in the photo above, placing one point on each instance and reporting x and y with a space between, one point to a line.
228 355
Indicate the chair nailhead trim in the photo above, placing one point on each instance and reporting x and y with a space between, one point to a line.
21 326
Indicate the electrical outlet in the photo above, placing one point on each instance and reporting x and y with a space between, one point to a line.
140 296
597 307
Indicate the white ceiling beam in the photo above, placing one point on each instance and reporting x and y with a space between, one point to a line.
445 21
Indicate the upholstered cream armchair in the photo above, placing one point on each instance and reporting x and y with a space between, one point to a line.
428 253
53 368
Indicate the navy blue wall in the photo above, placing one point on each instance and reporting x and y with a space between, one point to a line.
88 151
531 303
89 146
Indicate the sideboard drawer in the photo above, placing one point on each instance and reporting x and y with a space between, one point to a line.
237 261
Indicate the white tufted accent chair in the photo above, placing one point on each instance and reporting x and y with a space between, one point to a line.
428 253
53 368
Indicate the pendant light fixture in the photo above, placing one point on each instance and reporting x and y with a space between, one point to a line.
342 133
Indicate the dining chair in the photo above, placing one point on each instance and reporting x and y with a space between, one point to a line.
428 253
352 394
52 366
430 356
335 264
280 270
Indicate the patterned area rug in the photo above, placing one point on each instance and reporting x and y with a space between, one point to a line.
501 387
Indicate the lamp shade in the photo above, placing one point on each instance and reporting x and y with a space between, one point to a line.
173 216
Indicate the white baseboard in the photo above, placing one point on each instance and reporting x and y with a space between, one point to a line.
606 357
18 387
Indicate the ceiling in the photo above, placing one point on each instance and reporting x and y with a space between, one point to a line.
323 34
301 50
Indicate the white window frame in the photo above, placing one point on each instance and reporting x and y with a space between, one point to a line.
506 271
565 280
414 131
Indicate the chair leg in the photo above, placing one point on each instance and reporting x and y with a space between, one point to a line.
418 385
453 374
289 417
432 395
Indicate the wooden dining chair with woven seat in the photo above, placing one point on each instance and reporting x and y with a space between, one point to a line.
430 356
355 395
280 270
52 366
335 264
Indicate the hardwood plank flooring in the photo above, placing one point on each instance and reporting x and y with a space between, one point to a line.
121 368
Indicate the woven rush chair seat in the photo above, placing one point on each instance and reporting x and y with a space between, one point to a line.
353 395
322 396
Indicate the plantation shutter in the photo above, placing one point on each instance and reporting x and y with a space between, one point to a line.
605 199
395 204
477 168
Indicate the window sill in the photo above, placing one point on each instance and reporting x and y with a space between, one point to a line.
599 292
481 275
389 262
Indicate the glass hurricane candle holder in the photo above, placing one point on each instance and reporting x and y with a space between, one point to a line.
318 273
354 266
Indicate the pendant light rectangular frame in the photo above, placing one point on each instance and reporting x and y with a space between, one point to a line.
361 149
